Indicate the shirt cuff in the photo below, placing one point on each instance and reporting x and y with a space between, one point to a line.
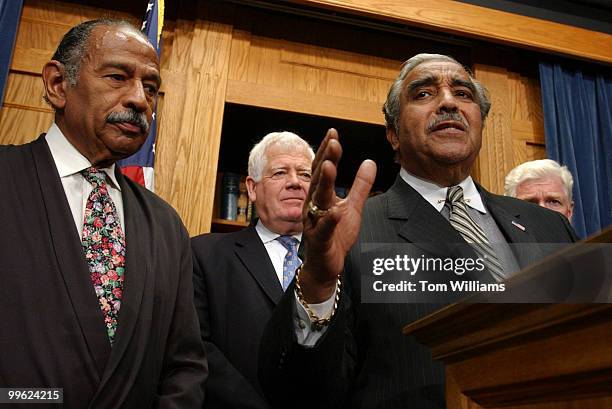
303 329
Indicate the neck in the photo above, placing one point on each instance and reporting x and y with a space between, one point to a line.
443 176
89 149
284 228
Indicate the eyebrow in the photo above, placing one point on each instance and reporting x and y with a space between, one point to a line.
127 68
422 82
289 167
463 83
432 80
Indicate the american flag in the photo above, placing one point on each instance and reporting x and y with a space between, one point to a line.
139 166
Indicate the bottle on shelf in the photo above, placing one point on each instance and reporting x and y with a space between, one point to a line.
243 201
229 198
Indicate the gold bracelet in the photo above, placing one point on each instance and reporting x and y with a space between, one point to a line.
316 323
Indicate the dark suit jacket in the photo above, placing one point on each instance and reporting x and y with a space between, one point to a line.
236 290
364 360
53 334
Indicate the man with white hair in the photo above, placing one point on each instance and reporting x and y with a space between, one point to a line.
543 182
240 277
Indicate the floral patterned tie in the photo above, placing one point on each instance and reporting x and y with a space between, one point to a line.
103 242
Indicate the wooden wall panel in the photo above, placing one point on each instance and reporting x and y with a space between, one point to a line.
527 117
69 14
190 122
276 64
526 102
288 99
495 158
286 64
481 22
514 132
25 115
524 151
39 34
19 125
26 91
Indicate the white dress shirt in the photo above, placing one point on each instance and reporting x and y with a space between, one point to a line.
69 162
276 251
436 195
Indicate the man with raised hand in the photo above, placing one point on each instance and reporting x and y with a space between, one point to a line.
324 346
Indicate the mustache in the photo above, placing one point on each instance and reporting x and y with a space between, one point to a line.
446 116
130 116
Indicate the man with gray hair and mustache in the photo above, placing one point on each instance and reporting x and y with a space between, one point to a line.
96 294
326 345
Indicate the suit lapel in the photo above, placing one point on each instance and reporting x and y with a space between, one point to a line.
424 226
427 228
514 229
137 266
67 246
253 255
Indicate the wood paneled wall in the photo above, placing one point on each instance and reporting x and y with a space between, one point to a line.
195 67
514 130
218 52
481 22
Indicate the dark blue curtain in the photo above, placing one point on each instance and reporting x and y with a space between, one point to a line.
577 103
10 10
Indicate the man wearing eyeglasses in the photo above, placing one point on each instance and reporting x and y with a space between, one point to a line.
240 277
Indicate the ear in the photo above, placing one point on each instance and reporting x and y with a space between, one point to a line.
56 83
571 211
250 184
393 139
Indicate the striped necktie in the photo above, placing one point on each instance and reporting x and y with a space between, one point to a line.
292 261
472 233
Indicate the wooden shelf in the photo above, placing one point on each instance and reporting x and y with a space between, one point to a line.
224 226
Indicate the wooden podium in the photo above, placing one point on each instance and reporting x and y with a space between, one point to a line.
523 356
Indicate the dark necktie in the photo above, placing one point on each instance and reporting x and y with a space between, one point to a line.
472 233
103 242
291 262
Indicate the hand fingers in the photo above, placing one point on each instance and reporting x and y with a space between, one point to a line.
364 179
321 155
331 134
321 186
324 232
324 195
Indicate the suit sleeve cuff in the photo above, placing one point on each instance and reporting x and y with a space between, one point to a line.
302 324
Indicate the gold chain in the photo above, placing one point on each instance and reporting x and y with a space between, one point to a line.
316 323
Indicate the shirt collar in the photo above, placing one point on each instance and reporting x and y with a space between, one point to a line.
436 195
267 235
68 160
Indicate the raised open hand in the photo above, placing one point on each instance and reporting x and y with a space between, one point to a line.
331 224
